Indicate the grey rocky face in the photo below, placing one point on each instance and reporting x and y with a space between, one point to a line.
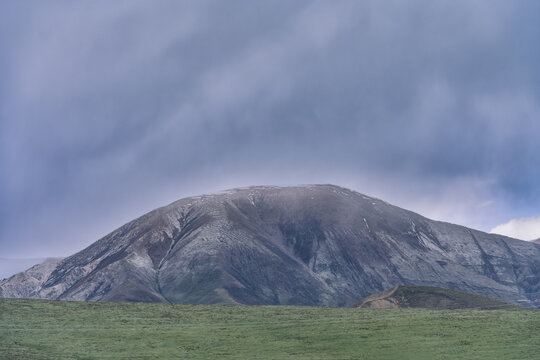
319 245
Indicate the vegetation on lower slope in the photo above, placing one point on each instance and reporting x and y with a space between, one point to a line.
409 296
40 329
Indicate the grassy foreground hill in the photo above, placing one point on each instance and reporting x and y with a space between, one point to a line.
42 329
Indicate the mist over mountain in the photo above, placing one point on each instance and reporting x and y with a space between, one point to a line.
103 103
320 245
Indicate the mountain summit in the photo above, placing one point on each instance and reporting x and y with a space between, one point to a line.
319 245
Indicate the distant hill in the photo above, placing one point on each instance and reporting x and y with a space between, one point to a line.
404 296
9 267
24 283
537 241
317 245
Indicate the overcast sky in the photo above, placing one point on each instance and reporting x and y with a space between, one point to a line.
109 109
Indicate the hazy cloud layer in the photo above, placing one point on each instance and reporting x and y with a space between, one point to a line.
110 109
524 228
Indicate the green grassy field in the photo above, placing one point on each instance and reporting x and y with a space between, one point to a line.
38 329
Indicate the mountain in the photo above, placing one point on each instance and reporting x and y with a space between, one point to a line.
319 245
407 296
537 241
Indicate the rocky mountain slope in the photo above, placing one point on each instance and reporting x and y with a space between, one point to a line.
407 296
24 284
319 245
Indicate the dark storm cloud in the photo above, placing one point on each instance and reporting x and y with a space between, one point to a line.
111 109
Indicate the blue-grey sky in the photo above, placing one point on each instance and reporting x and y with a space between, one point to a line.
110 109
